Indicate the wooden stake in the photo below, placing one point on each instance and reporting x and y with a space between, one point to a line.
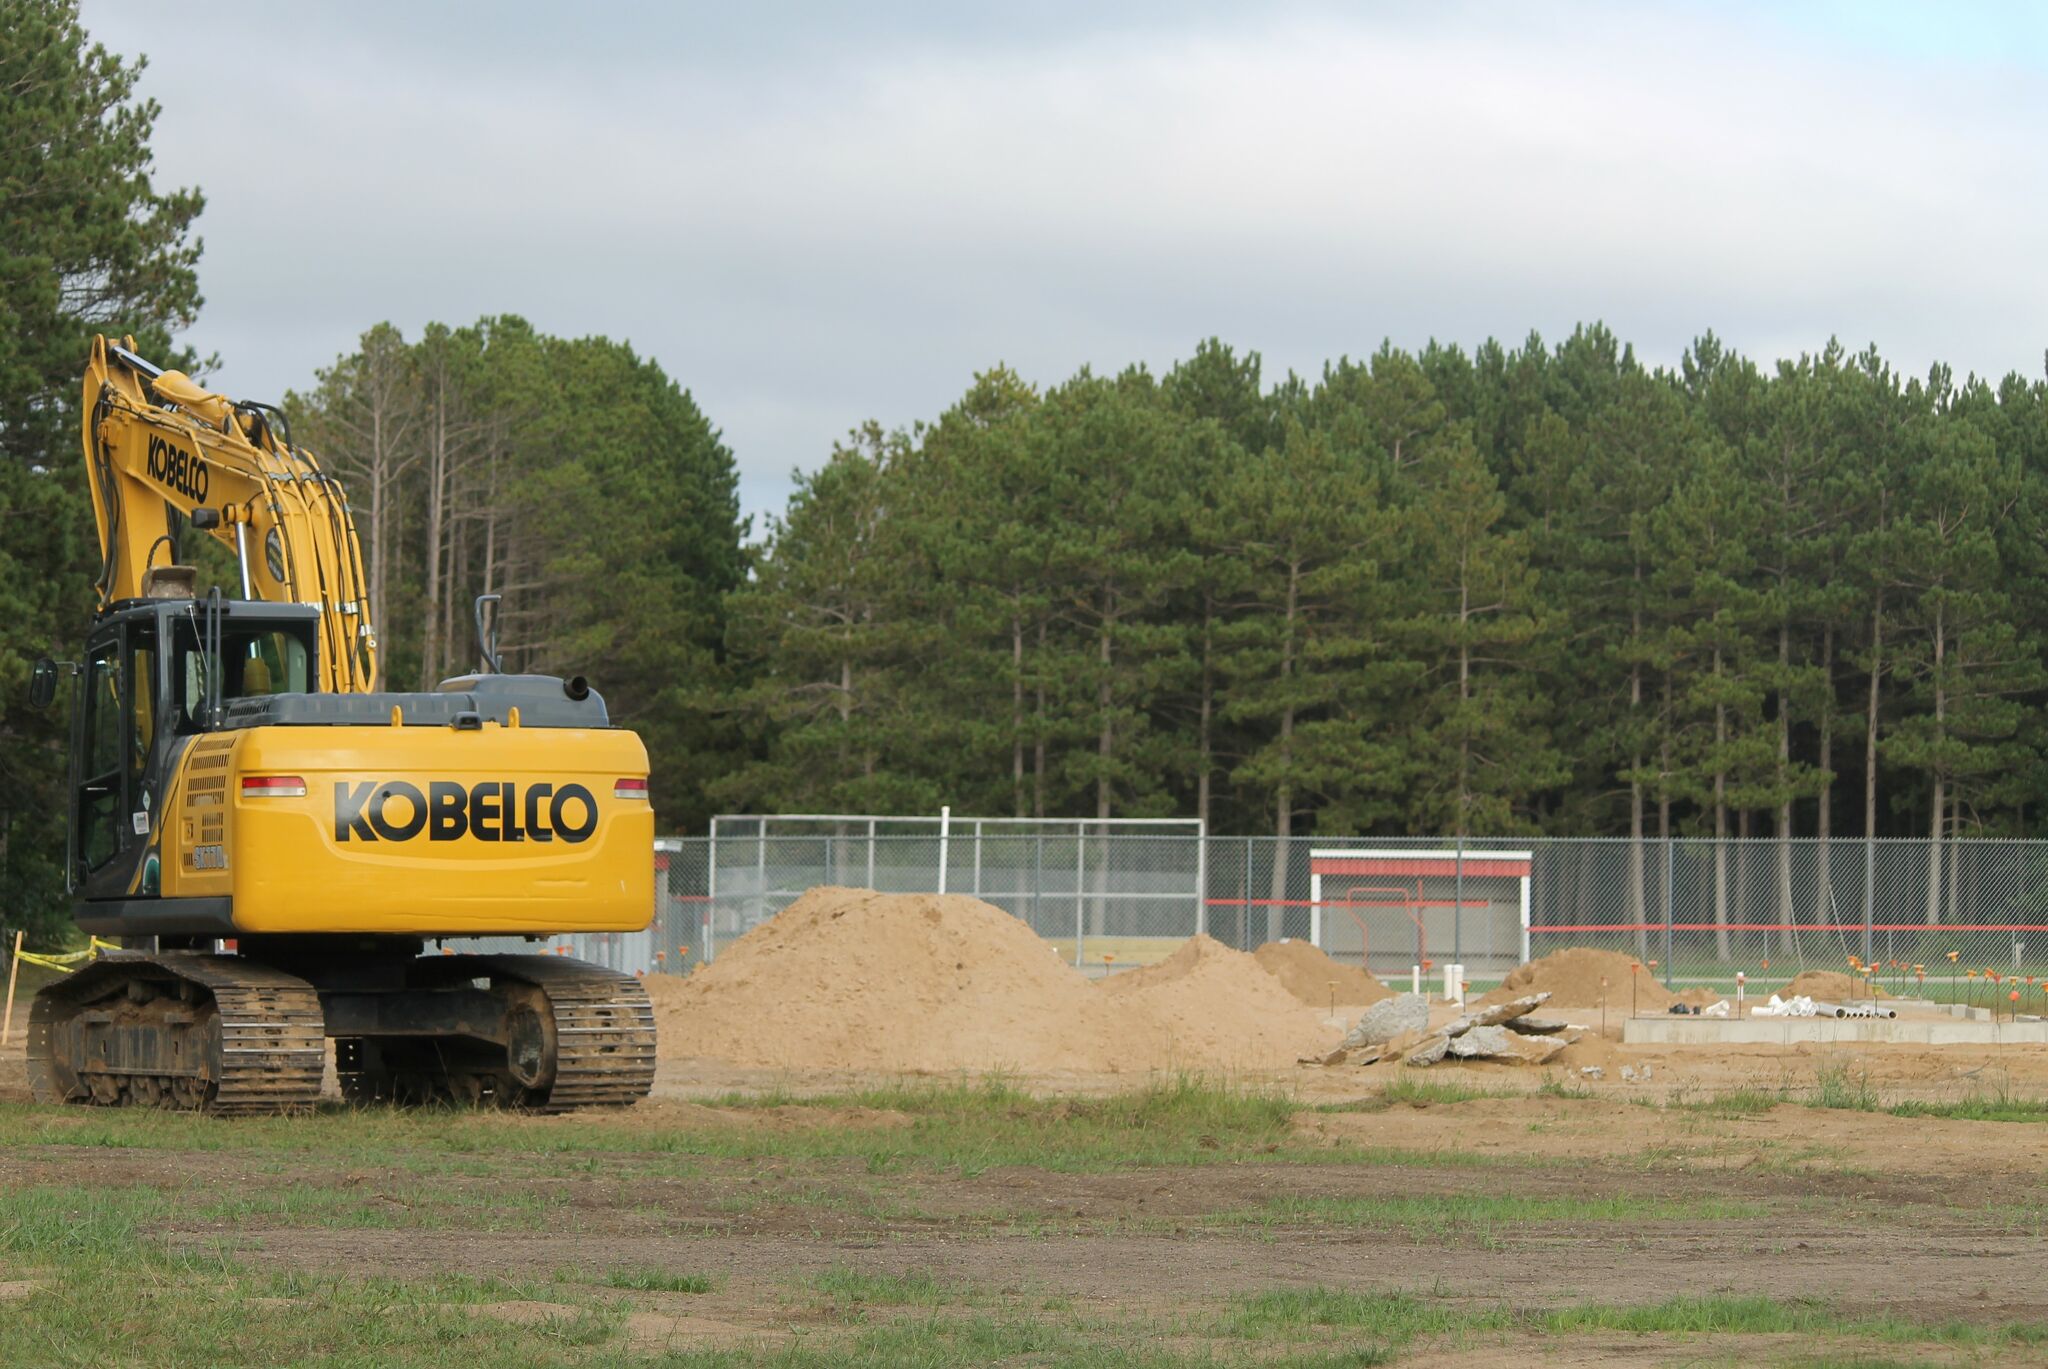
13 969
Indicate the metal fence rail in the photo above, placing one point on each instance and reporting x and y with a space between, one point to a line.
1702 909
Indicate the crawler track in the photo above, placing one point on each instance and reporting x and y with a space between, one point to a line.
223 1034
175 1029
603 1031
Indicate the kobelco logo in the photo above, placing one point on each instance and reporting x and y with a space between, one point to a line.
490 811
177 468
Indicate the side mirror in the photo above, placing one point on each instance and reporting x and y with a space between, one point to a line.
42 683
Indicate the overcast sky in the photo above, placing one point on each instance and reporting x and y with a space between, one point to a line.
816 214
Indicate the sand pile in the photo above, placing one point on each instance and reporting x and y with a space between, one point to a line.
851 979
1572 979
1831 986
1306 972
1219 1007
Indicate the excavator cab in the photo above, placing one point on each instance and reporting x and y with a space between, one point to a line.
158 672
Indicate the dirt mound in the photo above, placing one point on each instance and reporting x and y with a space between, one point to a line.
1306 972
1830 986
1572 979
851 979
1219 1007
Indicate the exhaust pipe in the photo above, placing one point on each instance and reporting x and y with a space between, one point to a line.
577 688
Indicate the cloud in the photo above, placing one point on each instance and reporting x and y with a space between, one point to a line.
815 216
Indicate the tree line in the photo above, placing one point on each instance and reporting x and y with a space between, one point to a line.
1519 590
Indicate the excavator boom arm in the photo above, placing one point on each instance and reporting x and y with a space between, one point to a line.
160 448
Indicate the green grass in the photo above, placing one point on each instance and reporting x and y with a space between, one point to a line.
1394 1319
1423 1091
968 1126
658 1281
1442 1215
1837 1086
914 1288
1743 1102
1994 1106
1756 1315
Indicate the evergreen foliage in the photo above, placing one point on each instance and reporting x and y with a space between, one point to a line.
1530 590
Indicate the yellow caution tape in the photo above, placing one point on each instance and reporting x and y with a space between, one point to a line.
67 961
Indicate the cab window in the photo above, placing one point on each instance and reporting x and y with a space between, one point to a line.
268 663
255 663
99 797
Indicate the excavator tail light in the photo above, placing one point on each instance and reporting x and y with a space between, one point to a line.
273 787
630 789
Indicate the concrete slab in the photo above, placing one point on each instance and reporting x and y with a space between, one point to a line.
1789 1031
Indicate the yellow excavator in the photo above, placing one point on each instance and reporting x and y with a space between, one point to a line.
276 842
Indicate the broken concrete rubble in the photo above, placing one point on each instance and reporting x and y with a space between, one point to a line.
1480 1041
1483 1035
1432 1049
1387 1019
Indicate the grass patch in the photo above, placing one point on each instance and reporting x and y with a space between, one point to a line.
1998 1106
1450 1214
658 1281
1421 1092
1390 1318
1743 1102
1751 1316
913 1288
970 1126
1838 1086
1394 1319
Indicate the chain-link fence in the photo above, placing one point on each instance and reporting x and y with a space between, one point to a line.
1703 910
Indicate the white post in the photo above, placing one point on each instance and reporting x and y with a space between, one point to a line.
708 949
1525 919
1080 880
977 857
1202 881
945 830
871 853
1315 904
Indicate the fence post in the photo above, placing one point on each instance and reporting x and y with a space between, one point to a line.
1525 882
709 949
1669 882
1244 920
945 830
1869 892
977 857
871 853
1080 891
1202 881
1458 894
1038 882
